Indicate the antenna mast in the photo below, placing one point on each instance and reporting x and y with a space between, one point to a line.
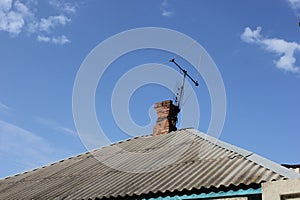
185 74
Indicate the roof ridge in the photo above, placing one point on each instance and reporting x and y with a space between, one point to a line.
266 163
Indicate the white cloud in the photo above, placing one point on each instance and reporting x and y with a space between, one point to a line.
23 9
5 5
295 5
56 126
18 16
165 10
60 40
24 148
4 107
11 21
55 40
284 49
251 35
67 130
166 13
41 38
14 16
47 24
64 6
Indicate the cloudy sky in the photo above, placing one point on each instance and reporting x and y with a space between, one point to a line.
255 45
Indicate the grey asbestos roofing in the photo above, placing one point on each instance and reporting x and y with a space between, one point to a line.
183 160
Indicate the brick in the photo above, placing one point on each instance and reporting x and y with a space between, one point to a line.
166 117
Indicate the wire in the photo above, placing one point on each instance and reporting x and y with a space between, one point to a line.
185 49
190 93
156 65
197 78
198 67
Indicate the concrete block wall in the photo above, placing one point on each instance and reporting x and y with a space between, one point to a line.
281 190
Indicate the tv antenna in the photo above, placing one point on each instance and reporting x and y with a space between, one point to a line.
185 74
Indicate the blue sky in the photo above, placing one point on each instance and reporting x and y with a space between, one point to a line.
255 45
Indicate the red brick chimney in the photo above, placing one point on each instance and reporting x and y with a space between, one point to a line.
166 117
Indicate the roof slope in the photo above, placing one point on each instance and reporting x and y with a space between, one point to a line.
182 160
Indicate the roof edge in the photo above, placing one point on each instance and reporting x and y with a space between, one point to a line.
283 171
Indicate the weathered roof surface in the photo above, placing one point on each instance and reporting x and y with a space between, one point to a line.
183 160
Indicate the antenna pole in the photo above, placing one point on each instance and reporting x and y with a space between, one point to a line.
181 91
185 74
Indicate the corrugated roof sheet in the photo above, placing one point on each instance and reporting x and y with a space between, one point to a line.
183 160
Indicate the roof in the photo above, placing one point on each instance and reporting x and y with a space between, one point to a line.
181 161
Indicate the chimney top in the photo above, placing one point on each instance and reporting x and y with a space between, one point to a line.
166 117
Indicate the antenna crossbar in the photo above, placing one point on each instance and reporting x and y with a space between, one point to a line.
184 72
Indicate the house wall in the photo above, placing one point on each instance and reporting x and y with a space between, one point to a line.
233 198
281 190
256 197
193 197
241 194
227 198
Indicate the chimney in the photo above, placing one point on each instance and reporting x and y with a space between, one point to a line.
166 117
